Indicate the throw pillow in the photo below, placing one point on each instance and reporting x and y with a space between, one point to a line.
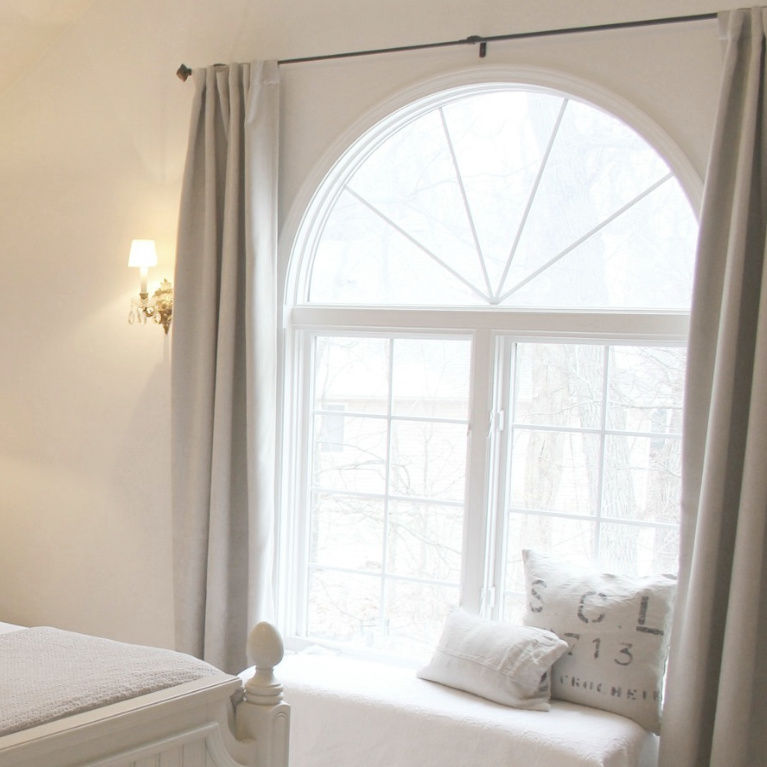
499 661
617 628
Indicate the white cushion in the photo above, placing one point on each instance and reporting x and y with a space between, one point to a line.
390 718
499 661
618 631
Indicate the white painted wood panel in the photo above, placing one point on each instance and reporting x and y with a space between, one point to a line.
171 758
195 755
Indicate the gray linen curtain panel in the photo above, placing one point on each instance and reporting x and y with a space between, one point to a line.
716 706
223 388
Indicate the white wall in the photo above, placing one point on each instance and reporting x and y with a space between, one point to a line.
92 143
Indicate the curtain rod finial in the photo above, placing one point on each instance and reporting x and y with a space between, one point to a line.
183 72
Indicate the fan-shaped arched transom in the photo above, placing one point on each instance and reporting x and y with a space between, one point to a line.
511 197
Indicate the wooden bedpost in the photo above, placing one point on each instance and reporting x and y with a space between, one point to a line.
263 716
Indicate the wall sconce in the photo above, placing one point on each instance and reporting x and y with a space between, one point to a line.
160 306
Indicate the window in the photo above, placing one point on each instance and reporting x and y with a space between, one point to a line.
331 427
486 353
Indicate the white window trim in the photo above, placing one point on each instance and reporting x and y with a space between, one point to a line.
606 325
302 224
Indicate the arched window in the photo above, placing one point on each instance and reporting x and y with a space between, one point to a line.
487 330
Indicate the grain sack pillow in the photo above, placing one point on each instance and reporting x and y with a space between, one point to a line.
499 661
617 628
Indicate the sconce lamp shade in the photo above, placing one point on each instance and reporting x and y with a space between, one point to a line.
142 254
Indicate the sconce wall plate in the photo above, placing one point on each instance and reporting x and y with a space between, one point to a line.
158 307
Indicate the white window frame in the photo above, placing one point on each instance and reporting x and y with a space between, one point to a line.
485 326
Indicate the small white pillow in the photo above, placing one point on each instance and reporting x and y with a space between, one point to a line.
618 630
499 661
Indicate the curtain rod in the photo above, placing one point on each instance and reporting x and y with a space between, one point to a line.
184 72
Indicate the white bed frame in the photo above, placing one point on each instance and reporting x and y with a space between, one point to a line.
211 722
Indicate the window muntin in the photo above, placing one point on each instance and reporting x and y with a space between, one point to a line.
607 280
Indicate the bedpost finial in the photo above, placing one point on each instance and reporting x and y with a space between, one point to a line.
265 646
266 651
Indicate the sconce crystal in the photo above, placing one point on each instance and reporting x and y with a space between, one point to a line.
159 306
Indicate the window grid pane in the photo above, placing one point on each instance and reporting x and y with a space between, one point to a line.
387 498
593 459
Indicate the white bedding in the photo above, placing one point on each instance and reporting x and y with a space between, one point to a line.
46 674
347 713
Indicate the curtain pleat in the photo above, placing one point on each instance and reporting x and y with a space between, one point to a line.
716 703
224 362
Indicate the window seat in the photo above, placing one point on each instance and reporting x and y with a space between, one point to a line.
352 713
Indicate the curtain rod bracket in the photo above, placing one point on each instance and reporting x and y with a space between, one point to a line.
474 39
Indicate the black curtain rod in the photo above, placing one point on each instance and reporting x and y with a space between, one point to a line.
184 72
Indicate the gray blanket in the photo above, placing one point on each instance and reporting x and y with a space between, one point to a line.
47 674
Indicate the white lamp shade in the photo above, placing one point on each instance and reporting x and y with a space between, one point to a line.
142 253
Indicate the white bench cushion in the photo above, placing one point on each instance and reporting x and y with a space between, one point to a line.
351 713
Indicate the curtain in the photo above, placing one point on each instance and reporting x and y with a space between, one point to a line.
223 393
716 703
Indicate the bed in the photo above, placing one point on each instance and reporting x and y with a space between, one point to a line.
142 706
